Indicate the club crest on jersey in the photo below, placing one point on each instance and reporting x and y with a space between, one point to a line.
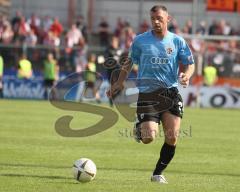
169 50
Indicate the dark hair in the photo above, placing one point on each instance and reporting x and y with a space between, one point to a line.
158 7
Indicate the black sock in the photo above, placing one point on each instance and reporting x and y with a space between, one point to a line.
166 155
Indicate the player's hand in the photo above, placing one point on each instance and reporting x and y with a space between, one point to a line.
114 89
184 80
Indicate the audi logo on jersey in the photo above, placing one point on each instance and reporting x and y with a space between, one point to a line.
159 60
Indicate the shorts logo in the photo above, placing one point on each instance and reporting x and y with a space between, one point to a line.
180 105
142 115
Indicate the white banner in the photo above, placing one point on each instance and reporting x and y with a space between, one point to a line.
193 96
221 97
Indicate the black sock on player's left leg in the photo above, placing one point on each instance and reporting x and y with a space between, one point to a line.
166 155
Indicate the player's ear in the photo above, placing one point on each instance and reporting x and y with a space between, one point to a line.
169 18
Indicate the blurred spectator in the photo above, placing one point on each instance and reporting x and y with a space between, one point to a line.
1 76
34 23
236 67
73 36
31 38
34 20
81 25
173 26
16 22
47 23
225 27
6 34
23 30
210 75
214 28
51 39
144 26
91 77
80 56
119 27
223 61
56 28
24 68
187 29
104 33
51 71
198 47
2 20
128 37
112 57
75 49
202 28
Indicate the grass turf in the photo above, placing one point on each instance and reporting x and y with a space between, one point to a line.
33 157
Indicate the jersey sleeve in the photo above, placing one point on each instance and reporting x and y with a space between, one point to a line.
184 53
134 53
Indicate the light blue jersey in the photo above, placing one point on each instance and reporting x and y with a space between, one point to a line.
158 59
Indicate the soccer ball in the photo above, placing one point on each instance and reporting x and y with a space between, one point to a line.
84 170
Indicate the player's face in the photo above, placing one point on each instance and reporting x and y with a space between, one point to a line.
159 21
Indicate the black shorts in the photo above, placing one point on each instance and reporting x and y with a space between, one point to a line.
89 84
151 106
49 82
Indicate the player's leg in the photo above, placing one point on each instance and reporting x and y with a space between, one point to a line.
148 119
1 87
145 131
149 131
96 94
47 86
171 126
84 93
146 127
171 121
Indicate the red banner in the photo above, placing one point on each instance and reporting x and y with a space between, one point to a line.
238 6
221 5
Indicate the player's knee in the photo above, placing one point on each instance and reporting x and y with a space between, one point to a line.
171 140
147 140
148 136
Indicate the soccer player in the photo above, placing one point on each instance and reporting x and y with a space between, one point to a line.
157 53
1 76
24 68
112 62
51 70
91 77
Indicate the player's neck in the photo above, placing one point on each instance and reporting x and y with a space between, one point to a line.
160 35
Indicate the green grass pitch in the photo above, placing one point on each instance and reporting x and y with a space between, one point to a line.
33 157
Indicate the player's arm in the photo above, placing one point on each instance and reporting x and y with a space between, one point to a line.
186 58
119 84
126 66
186 74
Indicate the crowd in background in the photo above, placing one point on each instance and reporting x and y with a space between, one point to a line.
70 45
50 31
